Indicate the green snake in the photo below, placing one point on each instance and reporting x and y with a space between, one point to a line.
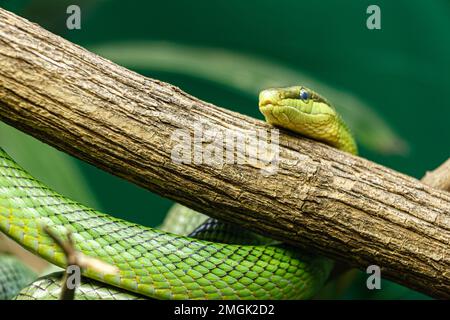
214 261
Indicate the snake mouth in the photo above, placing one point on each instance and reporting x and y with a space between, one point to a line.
266 107
306 109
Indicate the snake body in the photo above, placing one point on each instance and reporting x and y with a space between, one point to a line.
211 263
14 275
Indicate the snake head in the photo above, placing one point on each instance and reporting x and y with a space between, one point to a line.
282 105
304 111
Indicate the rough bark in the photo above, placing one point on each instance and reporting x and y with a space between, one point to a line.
439 178
339 205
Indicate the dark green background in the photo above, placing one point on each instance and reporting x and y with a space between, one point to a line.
403 70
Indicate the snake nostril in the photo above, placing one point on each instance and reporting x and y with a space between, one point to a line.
267 97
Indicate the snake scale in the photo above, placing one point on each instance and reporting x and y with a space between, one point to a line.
214 261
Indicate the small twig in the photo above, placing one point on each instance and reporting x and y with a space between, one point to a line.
4 245
439 178
67 292
76 258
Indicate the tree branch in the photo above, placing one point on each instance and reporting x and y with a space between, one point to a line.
339 205
439 178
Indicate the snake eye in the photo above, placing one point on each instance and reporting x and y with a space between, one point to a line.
304 94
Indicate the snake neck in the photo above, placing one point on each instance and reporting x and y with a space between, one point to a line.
345 140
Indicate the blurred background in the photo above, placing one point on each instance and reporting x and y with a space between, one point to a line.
391 85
